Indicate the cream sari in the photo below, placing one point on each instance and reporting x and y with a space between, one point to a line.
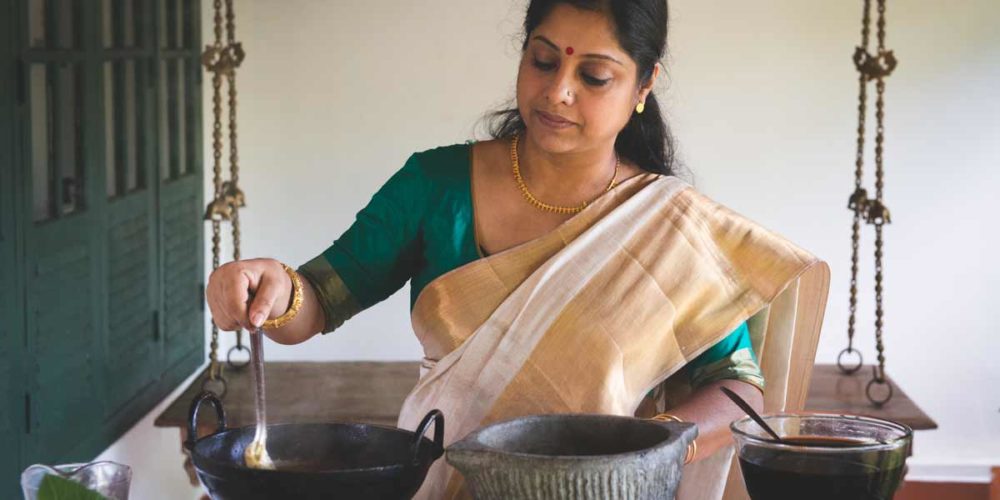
592 316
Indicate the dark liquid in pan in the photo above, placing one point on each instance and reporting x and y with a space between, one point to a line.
306 466
779 474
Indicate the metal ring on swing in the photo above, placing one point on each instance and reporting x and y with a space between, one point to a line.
852 369
868 391
229 356
220 381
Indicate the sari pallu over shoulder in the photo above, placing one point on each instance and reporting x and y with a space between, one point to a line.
589 318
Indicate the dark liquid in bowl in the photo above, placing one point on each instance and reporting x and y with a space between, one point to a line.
824 441
779 475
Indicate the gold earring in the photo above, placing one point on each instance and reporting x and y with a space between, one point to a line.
639 108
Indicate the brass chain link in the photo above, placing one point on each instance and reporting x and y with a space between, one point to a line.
232 192
875 212
215 369
859 199
222 61
878 214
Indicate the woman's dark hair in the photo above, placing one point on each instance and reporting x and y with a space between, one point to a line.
641 30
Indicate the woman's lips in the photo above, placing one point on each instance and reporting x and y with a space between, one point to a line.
553 121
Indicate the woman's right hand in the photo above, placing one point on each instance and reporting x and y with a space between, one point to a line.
232 286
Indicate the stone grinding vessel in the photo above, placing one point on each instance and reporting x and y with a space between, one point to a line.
574 456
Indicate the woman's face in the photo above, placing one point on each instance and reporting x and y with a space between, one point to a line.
576 87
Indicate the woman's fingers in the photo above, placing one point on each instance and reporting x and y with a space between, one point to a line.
268 291
236 294
214 295
220 317
233 286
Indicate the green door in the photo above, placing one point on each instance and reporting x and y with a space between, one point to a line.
12 393
180 176
62 251
101 247
61 225
131 309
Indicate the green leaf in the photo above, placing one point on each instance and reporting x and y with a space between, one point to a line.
59 488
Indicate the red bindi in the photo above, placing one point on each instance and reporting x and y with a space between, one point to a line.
569 51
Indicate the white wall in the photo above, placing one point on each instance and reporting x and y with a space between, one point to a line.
762 97
154 454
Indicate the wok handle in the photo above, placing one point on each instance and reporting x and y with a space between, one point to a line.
192 429
437 418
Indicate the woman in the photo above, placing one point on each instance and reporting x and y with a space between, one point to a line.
558 267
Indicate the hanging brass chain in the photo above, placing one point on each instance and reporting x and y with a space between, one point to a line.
217 23
215 377
859 199
878 213
215 212
234 196
222 61
875 212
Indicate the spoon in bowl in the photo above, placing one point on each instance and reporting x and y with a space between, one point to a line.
752 413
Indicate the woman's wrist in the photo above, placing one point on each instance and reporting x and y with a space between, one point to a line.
294 302
282 305
692 450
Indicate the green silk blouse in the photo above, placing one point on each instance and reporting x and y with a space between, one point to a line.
419 226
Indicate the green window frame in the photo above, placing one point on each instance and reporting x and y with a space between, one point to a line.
101 237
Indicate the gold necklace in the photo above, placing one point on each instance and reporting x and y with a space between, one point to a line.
540 204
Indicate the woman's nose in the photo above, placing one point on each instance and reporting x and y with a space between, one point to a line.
561 89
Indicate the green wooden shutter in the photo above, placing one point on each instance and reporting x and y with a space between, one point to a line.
101 247
182 271
131 309
62 331
181 185
128 84
61 222
12 393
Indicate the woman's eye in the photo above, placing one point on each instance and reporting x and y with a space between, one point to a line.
596 82
544 66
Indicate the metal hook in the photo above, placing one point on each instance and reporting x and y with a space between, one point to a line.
878 378
851 369
239 347
222 386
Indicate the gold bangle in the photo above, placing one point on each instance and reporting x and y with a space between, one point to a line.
692 450
293 309
666 417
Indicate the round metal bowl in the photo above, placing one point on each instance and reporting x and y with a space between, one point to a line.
313 461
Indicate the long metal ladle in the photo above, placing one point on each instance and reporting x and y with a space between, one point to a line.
255 454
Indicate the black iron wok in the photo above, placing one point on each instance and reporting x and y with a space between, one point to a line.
333 460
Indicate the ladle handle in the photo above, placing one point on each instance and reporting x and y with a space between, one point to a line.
220 414
437 418
751 413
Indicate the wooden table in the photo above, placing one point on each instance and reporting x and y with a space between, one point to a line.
833 392
373 392
299 392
